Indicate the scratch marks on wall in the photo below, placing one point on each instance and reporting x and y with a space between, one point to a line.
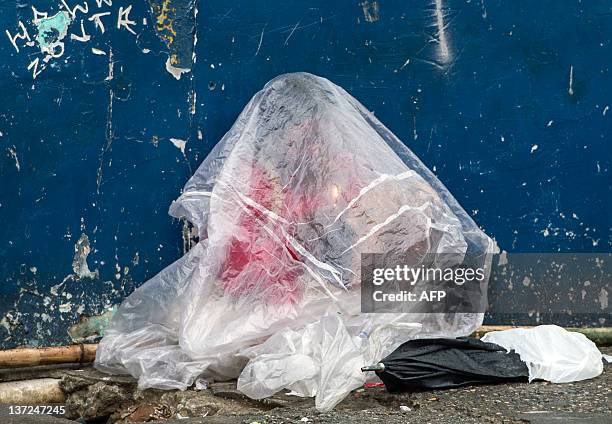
111 65
570 88
79 261
260 40
175 27
443 47
291 33
483 9
371 10
109 122
437 50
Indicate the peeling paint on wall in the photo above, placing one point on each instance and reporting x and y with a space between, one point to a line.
88 134
179 144
370 10
51 32
12 151
175 71
175 26
91 327
69 68
79 262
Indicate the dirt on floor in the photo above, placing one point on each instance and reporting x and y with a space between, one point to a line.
94 397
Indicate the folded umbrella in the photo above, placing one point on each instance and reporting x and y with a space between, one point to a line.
446 363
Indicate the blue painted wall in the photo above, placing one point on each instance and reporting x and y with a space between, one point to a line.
508 102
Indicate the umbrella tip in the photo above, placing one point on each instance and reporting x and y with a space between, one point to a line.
378 367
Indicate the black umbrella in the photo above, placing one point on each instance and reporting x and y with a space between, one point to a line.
445 363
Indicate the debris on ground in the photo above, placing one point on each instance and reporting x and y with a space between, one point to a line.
117 400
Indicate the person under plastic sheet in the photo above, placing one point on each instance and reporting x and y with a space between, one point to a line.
304 182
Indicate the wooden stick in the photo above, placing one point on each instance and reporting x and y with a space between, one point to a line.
20 357
29 392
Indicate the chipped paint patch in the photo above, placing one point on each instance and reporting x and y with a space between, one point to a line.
175 71
179 144
111 69
91 327
175 26
79 262
65 308
371 11
5 323
51 32
164 20
603 299
12 151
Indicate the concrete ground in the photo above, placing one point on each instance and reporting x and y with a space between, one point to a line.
93 397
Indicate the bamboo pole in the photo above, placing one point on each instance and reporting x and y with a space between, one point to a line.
20 357
39 391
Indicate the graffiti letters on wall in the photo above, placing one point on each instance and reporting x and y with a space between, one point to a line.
45 35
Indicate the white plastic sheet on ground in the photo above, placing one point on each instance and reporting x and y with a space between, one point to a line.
551 352
304 182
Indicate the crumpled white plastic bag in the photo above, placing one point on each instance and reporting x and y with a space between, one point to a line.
304 182
551 352
323 359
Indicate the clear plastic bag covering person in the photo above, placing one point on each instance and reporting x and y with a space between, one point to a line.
304 182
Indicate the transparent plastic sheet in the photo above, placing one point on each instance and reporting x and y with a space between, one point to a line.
304 182
551 352
323 359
